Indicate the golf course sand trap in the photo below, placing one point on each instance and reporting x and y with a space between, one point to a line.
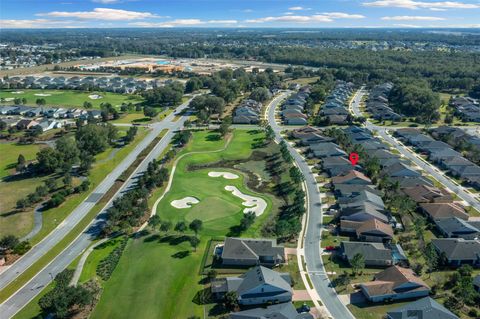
18 92
9 99
95 96
253 204
225 175
184 202
42 94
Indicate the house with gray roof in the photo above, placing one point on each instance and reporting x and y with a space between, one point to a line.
425 308
251 252
258 286
458 251
455 227
279 311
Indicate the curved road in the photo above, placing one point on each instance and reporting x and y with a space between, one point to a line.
312 237
21 297
412 156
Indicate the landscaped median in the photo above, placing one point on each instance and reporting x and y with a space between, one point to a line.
76 231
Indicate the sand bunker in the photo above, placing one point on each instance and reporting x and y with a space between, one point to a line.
225 175
42 94
253 204
18 92
9 99
95 96
184 202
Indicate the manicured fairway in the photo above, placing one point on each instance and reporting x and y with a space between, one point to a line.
158 276
69 98
9 155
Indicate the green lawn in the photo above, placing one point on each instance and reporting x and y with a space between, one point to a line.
10 153
156 269
367 311
217 207
21 222
70 98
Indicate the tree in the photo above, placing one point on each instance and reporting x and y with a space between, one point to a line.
231 300
269 133
193 84
131 133
92 138
154 221
357 263
212 274
260 94
87 105
196 225
194 241
3 125
165 226
67 179
180 227
9 242
224 127
431 256
150 112
68 150
40 102
296 175
20 163
48 160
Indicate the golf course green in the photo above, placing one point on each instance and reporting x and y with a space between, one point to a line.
159 268
67 98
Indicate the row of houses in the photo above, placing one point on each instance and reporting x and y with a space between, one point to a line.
248 112
335 109
466 108
260 285
377 103
110 84
48 112
457 137
442 155
293 109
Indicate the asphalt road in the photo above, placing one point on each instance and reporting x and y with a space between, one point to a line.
313 230
20 298
436 173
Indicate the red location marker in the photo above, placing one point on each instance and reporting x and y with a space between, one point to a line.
354 158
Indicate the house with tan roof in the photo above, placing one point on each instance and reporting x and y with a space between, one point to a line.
372 230
428 194
444 210
351 178
395 283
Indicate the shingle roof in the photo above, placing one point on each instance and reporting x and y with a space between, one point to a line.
260 275
444 210
349 176
370 251
374 226
391 279
425 308
455 226
244 248
458 248
280 311
425 194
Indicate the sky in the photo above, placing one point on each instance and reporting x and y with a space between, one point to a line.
239 13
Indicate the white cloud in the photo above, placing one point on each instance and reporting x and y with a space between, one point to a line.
412 4
288 13
222 21
407 25
37 24
247 10
106 1
342 15
412 18
437 9
180 23
296 8
101 14
292 18
320 17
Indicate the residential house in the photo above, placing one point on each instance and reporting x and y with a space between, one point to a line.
428 194
458 251
444 210
257 286
454 227
26 124
374 254
395 283
279 311
425 308
352 177
250 252
372 230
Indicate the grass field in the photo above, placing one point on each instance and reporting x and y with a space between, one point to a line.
20 223
69 98
156 269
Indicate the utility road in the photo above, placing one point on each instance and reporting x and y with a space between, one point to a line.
313 230
408 153
20 298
